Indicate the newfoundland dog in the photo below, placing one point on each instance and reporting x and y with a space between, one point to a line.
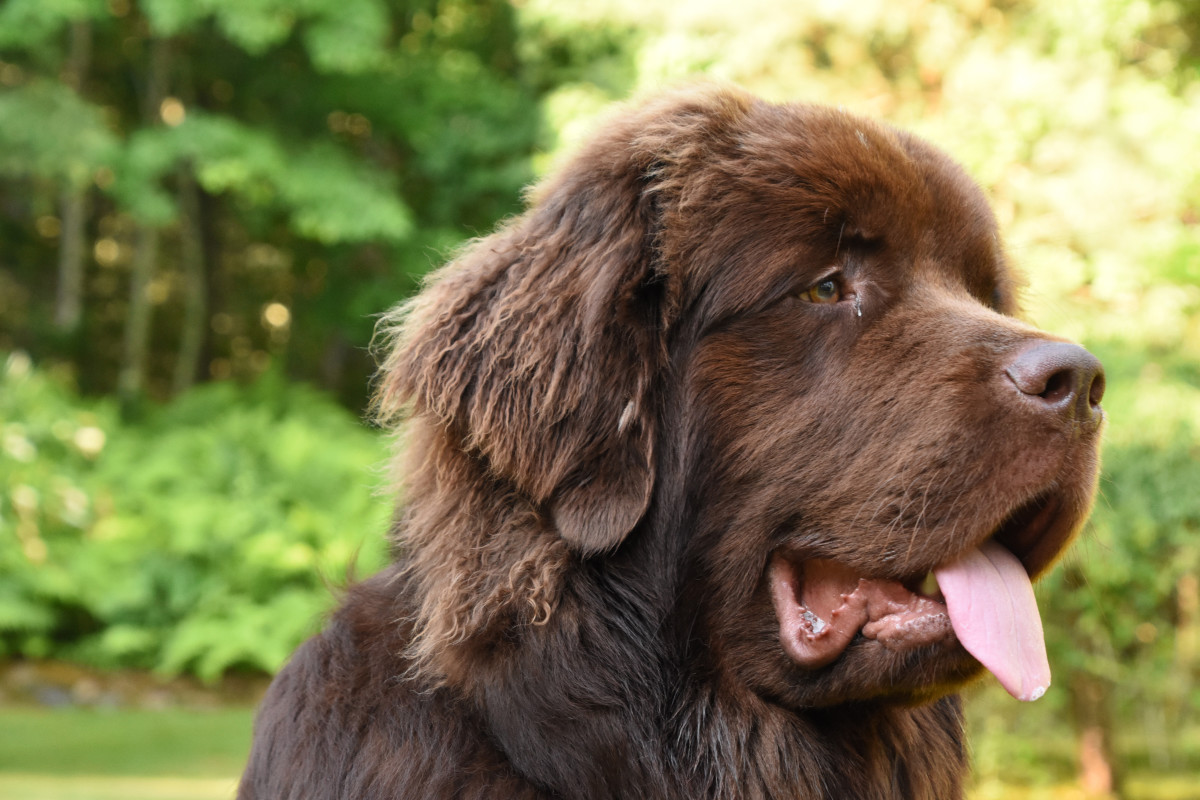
724 466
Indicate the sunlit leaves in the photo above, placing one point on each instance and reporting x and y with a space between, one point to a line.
349 37
208 533
341 35
82 143
33 22
327 195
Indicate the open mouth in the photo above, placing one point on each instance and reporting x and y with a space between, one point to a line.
981 598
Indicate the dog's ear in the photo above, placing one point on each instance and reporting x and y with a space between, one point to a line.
539 347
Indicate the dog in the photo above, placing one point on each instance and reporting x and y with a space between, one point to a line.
725 465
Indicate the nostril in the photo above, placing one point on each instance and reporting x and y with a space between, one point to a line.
1059 387
1096 390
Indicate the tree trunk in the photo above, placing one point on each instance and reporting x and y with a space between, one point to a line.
1091 710
195 285
131 380
68 302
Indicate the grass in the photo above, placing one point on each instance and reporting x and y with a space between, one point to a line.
71 741
86 754
106 787
177 754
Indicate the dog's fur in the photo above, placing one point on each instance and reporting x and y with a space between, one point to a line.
616 409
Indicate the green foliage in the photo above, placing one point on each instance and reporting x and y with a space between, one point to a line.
83 145
328 196
197 541
360 139
33 22
340 35
1123 605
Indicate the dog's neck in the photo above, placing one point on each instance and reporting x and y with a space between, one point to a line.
530 651
749 748
653 734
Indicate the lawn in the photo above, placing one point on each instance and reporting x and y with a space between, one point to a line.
180 754
99 754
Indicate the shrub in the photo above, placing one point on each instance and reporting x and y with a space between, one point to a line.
200 539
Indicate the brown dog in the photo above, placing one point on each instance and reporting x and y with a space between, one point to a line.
685 443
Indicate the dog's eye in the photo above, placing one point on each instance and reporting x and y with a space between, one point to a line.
826 291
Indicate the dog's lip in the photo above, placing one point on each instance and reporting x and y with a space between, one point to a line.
900 613
1035 531
822 606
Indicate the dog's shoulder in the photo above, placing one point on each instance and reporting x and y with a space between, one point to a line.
345 718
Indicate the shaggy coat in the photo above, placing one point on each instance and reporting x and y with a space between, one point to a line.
729 341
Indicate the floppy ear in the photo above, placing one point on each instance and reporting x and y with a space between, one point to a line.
538 348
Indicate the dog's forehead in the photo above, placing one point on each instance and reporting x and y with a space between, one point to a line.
804 183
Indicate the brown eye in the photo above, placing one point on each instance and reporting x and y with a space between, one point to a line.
827 291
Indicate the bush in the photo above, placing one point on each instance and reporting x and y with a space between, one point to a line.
198 540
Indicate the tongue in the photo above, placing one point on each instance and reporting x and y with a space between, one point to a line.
995 616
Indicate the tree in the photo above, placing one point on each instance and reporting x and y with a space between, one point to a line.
305 159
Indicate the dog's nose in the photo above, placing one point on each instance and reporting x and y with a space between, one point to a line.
1064 378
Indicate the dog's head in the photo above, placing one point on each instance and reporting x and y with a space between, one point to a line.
772 351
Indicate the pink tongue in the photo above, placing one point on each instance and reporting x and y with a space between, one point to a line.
995 616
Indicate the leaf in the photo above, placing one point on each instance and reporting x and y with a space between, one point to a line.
81 145
173 17
29 23
349 37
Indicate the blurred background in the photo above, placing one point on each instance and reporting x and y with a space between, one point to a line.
205 204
